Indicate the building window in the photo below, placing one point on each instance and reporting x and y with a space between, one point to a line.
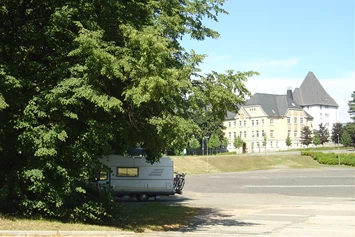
277 144
229 135
295 133
257 122
262 133
127 172
240 134
271 133
321 107
252 123
326 115
271 121
257 133
252 134
289 133
271 144
234 124
301 120
262 122
288 120
245 134
294 120
229 124
235 135
245 123
240 123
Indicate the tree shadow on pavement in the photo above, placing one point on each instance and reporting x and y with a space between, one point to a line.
209 217
174 214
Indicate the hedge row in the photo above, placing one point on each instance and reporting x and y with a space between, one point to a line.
331 158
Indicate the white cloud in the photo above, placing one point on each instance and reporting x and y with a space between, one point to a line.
213 58
340 89
264 63
272 85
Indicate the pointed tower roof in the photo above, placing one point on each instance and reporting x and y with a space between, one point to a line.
311 92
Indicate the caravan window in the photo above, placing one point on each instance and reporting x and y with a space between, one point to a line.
127 172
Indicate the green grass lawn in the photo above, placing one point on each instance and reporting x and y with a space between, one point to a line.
235 163
136 217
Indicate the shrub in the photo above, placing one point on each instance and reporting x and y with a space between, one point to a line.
331 158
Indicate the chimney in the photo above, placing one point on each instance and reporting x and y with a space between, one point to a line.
289 92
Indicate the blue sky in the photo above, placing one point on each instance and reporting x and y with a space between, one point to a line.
283 40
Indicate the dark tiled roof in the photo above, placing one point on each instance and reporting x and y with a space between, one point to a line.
311 92
273 105
230 115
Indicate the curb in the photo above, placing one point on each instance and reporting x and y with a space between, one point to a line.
62 233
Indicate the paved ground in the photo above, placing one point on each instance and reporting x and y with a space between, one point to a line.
281 202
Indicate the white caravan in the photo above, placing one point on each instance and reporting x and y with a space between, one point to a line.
134 176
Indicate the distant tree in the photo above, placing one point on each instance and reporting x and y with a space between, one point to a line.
323 134
214 142
350 129
345 139
316 139
351 104
238 143
224 142
288 141
306 136
336 130
194 144
265 141
208 124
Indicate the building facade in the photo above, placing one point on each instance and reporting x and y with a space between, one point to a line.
276 116
313 98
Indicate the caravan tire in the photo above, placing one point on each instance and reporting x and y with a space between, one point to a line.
142 197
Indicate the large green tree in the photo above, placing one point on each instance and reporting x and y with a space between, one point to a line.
81 79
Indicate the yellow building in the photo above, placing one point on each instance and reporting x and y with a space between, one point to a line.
277 116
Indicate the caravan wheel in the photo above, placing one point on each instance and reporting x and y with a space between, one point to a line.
142 197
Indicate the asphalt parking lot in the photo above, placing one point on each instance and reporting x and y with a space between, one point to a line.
280 202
